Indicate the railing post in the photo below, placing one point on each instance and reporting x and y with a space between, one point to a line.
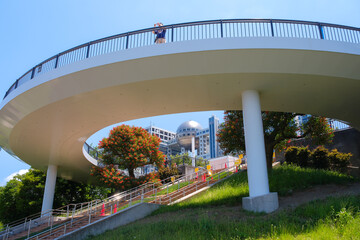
221 28
72 217
51 223
33 72
272 28
29 229
172 36
127 41
7 230
67 211
74 209
321 31
88 50
24 223
57 61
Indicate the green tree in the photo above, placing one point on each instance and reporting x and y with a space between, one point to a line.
167 172
23 195
180 159
279 128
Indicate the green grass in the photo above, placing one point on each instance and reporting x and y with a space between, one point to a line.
284 180
333 218
287 178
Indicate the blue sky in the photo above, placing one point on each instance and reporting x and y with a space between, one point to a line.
32 31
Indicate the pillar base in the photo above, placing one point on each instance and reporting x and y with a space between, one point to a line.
264 203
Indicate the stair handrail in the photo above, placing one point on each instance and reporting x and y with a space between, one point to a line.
98 202
109 204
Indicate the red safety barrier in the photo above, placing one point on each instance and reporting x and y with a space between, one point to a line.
103 210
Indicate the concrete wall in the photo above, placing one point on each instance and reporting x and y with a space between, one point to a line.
121 218
219 163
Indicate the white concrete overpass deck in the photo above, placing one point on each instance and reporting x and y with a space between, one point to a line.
47 120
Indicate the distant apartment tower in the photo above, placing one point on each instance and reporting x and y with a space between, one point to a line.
214 145
163 134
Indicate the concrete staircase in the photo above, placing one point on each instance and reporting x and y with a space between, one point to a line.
94 212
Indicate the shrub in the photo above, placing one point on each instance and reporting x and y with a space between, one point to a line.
339 161
298 156
303 156
291 155
167 172
319 158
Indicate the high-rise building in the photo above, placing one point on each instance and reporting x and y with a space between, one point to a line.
214 145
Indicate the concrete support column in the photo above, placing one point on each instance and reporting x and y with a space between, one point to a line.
260 199
49 191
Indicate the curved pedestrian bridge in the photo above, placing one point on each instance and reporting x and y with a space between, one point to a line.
307 67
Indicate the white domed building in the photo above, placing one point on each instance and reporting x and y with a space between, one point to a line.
190 137
186 132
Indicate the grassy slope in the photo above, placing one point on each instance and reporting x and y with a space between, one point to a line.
330 219
284 180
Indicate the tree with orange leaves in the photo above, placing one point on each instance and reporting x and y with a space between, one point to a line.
128 148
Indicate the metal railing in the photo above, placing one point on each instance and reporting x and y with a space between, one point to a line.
93 152
194 31
61 220
159 194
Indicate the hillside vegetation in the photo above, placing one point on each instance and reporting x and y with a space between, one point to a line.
211 214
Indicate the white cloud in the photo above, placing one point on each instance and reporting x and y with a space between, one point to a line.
11 176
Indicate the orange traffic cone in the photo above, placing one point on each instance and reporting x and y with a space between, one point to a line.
236 169
204 178
115 208
196 176
225 165
103 210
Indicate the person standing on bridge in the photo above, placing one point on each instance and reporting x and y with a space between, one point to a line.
160 33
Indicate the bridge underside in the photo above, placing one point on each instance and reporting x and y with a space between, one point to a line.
49 119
